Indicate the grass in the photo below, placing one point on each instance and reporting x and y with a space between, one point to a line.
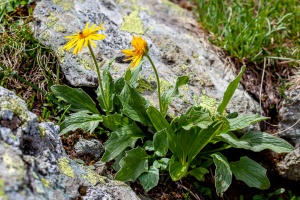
255 29
26 66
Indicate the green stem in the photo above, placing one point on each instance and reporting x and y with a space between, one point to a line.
157 80
99 77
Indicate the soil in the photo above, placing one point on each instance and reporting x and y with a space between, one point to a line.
190 188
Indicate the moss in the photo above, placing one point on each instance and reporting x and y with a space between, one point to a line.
133 24
66 4
42 131
19 109
87 64
3 196
59 28
209 103
92 177
65 168
144 85
45 183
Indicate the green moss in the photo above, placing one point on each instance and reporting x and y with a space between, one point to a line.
45 183
65 168
144 85
209 103
3 196
133 24
92 177
66 4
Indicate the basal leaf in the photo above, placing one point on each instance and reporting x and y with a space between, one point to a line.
160 123
252 173
162 163
109 91
168 96
82 120
149 179
133 165
76 97
223 173
160 142
198 173
134 105
177 169
115 121
120 139
230 91
257 141
260 141
244 121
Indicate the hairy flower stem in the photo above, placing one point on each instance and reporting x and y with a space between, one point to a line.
99 77
157 80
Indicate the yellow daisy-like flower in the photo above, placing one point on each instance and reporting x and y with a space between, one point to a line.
84 38
140 48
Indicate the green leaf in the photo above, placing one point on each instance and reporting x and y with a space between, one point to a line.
244 121
177 169
258 141
133 165
160 142
223 173
162 163
116 121
76 97
149 179
195 116
108 89
148 145
134 105
252 173
120 139
230 91
159 122
198 173
81 120
131 76
168 96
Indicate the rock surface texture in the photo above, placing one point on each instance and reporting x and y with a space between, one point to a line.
33 164
176 47
289 115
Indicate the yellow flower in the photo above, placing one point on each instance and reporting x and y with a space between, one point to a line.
140 48
84 38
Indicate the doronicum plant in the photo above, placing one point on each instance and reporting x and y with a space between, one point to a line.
184 146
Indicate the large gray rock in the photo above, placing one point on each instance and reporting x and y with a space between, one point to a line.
288 128
173 36
34 165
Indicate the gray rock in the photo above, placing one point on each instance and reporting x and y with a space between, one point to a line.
288 128
176 47
289 114
290 166
92 146
34 165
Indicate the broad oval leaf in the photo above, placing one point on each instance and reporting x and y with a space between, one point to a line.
76 97
120 139
177 169
252 173
244 121
115 121
160 142
149 179
82 120
198 173
223 173
133 165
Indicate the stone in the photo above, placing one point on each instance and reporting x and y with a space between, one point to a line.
92 146
175 42
34 164
289 129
